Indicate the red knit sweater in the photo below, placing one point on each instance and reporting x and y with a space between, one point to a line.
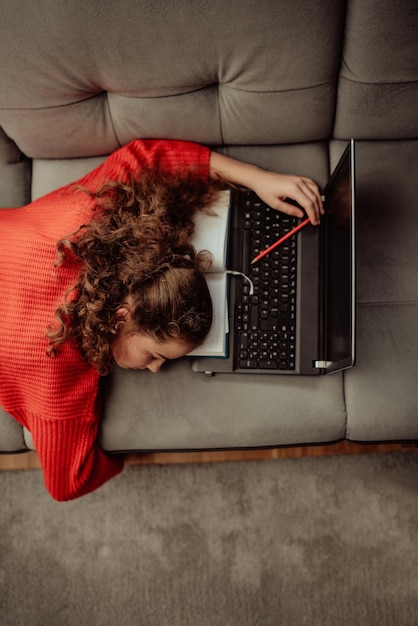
56 398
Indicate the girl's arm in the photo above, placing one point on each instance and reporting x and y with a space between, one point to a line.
170 156
72 462
271 187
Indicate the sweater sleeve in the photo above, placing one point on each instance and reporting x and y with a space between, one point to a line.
172 157
72 462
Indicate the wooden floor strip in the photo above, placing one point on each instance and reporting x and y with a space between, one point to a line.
29 460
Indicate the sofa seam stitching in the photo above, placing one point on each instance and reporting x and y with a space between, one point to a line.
380 84
377 303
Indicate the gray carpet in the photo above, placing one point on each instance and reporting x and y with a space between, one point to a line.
314 541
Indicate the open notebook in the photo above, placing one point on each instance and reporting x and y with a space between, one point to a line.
212 234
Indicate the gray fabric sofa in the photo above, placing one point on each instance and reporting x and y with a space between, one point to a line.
277 83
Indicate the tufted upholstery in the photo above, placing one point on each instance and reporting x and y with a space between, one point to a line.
86 90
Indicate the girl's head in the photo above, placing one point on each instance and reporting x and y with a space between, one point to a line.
163 317
140 289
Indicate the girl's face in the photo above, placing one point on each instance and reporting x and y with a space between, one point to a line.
141 351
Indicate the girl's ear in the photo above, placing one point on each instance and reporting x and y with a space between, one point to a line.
123 314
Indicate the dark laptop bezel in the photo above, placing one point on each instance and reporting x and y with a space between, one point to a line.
329 366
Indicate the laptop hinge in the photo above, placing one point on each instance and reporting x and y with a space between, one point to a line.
322 364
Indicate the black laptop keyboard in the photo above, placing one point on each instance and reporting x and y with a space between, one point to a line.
265 322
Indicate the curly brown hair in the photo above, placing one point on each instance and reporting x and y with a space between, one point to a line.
136 249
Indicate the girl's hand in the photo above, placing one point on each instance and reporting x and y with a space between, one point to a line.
271 187
275 188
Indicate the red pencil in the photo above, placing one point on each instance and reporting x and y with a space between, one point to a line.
281 240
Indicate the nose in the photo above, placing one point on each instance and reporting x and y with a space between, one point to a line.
155 366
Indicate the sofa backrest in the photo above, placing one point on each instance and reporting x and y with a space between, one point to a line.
378 88
81 78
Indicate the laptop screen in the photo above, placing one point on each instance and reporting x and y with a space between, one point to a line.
340 263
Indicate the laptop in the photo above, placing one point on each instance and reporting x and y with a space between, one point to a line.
292 312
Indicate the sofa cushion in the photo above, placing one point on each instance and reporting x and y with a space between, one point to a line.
94 76
11 434
381 391
180 409
50 174
378 87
